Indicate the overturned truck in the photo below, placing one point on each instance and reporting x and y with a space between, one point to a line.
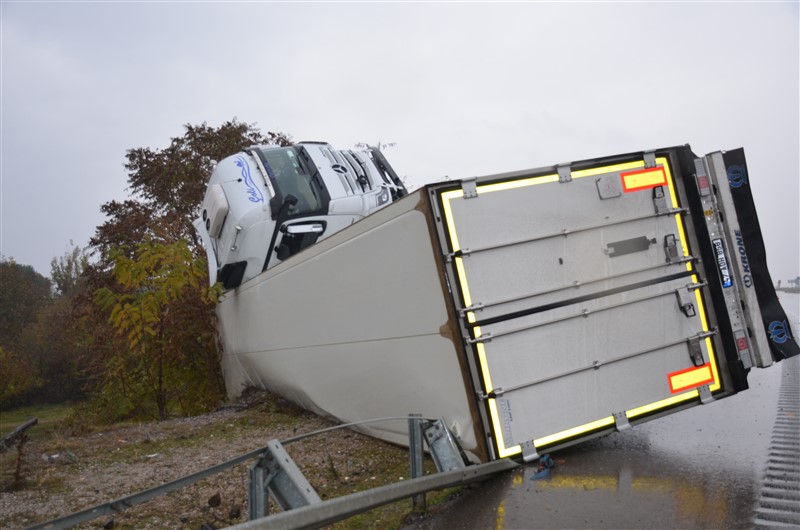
530 310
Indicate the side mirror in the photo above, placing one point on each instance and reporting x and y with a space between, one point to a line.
289 200
276 208
232 274
282 252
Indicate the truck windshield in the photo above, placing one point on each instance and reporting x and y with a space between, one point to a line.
290 175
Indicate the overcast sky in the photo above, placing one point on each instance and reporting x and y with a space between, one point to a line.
462 89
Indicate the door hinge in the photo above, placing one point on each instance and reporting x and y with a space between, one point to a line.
621 421
705 395
470 187
564 173
529 452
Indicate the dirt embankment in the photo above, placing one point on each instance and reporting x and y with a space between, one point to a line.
64 474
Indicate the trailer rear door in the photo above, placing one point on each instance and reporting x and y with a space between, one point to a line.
583 304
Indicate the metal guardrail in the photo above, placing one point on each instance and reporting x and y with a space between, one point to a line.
128 501
339 508
327 512
276 476
14 437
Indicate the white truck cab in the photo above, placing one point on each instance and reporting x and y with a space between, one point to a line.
268 203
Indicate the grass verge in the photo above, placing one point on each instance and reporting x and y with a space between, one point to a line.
49 417
70 470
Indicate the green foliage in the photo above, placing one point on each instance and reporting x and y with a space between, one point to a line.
18 379
46 337
163 308
53 347
24 296
150 327
66 272
23 292
145 344
168 184
50 418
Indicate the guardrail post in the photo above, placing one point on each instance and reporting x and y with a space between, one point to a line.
416 458
275 472
445 450
258 498
276 475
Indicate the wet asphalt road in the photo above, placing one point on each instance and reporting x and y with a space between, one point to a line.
701 468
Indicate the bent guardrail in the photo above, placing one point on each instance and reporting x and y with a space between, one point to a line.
274 473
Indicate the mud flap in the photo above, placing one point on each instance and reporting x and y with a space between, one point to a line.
782 343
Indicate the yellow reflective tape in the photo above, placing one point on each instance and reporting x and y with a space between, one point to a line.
717 384
575 431
459 262
701 310
607 169
502 450
709 345
484 365
674 201
448 213
664 403
515 184
451 230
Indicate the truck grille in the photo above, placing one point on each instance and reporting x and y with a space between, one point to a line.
350 173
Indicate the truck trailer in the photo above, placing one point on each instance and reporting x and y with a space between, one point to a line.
529 310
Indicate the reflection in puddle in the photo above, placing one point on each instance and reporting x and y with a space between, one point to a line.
614 487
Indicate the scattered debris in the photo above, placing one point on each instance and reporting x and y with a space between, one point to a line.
546 463
65 457
215 500
184 446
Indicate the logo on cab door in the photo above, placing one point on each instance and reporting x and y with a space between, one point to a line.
254 194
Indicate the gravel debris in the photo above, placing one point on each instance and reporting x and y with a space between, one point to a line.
65 474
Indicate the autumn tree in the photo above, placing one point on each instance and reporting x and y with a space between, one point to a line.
165 359
42 347
54 342
168 184
18 381
153 308
66 271
23 292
